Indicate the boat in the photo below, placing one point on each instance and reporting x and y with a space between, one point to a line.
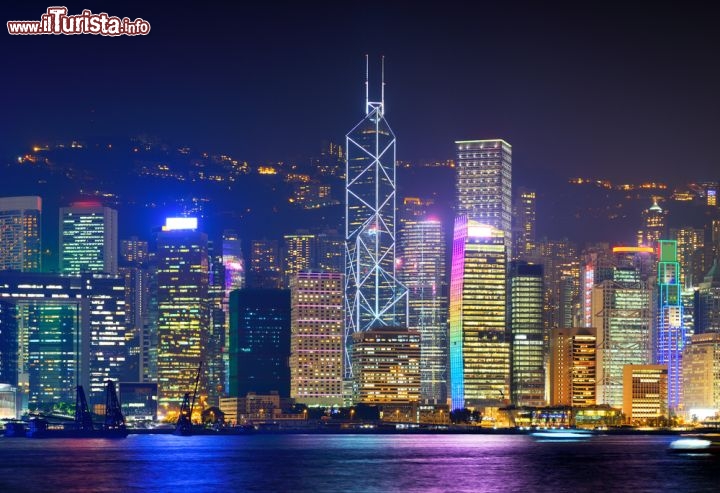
15 429
696 443
82 426
562 434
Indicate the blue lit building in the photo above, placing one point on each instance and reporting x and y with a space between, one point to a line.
670 337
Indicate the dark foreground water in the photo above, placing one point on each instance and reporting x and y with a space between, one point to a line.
316 463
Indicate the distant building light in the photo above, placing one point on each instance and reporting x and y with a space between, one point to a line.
630 249
180 223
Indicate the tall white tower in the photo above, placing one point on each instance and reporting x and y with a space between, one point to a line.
373 295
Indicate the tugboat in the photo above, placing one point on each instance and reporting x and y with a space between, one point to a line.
82 426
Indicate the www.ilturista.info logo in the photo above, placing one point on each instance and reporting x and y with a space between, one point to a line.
56 21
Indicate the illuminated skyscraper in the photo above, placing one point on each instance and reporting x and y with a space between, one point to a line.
653 225
526 328
330 255
561 268
479 353
214 355
183 309
691 255
484 177
134 251
265 272
235 278
299 254
524 223
317 338
20 247
701 375
259 343
645 393
373 295
708 302
670 337
622 314
422 270
386 365
88 238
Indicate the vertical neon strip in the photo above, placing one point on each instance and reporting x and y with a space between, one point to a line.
457 382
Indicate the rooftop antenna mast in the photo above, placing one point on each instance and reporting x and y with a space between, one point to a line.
367 90
382 85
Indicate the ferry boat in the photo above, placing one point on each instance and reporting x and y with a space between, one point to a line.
562 434
699 443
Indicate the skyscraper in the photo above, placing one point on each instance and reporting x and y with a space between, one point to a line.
299 254
183 309
701 374
259 343
422 270
479 353
708 302
573 367
265 272
484 177
622 314
88 238
691 254
386 364
526 329
20 247
373 295
317 338
653 225
670 337
524 223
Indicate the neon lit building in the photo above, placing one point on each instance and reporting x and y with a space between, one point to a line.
670 337
622 314
20 247
484 177
422 271
526 329
479 353
88 238
183 310
373 295
317 338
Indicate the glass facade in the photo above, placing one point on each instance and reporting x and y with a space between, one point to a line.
622 315
183 313
484 177
88 239
526 326
20 242
422 270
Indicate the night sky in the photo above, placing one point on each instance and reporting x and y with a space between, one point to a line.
627 92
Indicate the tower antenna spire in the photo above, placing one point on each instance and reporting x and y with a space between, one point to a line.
382 84
367 90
